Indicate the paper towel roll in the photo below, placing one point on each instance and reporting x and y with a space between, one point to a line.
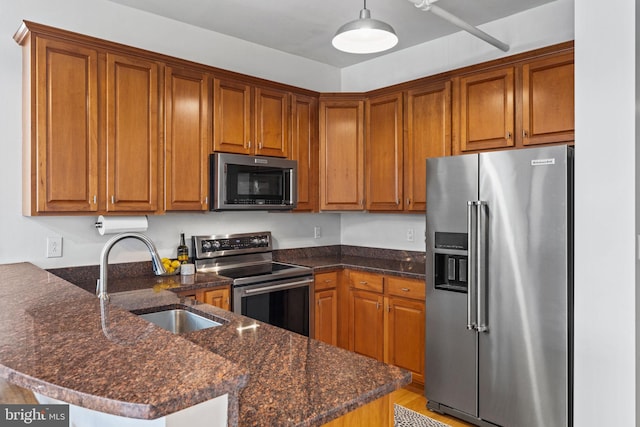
120 224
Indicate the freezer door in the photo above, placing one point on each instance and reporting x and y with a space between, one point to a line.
450 358
523 356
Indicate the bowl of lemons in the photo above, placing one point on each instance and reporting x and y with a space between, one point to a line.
172 266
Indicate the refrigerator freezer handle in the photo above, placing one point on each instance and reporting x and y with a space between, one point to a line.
472 222
481 278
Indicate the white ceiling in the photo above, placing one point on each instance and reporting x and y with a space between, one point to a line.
305 27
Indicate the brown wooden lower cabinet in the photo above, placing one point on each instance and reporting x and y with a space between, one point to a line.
376 413
326 307
366 324
218 297
326 316
387 320
405 335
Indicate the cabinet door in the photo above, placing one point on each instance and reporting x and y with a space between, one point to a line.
341 155
304 149
366 324
384 148
231 116
216 297
548 100
132 134
271 122
405 335
187 139
326 316
63 152
486 105
428 135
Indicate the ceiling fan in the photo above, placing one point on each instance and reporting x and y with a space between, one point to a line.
428 5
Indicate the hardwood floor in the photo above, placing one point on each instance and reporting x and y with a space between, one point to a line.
11 394
412 397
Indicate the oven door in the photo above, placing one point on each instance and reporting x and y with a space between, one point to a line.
285 303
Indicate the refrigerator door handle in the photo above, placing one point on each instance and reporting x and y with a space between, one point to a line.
472 222
481 278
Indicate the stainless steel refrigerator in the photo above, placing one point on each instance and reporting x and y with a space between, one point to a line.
500 287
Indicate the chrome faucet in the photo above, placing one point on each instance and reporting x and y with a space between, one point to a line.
158 268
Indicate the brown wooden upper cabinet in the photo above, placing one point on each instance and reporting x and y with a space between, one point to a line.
487 107
304 149
384 151
95 146
239 128
548 100
341 153
528 103
60 165
132 143
428 134
187 139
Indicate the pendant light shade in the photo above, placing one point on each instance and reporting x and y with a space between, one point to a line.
365 35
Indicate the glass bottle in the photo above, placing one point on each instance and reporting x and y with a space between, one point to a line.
183 251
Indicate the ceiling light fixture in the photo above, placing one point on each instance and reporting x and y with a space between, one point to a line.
365 35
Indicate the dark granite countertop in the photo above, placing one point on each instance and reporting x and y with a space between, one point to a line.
384 261
54 341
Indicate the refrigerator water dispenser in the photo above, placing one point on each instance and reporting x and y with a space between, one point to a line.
450 263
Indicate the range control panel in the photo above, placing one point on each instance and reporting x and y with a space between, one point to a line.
231 244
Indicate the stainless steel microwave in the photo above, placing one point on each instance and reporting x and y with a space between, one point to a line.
240 182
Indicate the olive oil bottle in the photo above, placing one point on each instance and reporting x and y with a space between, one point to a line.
183 251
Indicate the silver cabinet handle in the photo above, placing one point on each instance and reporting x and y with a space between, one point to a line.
508 136
408 201
405 289
377 305
362 282
113 200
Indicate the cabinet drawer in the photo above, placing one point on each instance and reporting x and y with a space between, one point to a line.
366 281
407 288
326 280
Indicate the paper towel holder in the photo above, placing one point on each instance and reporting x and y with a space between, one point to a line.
125 223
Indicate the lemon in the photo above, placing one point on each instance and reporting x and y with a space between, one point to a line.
175 263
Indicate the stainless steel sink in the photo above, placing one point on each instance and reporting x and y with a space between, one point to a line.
179 320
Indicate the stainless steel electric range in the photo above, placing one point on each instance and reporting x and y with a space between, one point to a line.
273 292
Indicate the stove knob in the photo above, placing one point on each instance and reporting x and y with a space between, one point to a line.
216 245
206 245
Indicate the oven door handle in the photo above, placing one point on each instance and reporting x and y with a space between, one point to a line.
270 288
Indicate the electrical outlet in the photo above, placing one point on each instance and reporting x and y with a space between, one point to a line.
409 234
317 232
54 247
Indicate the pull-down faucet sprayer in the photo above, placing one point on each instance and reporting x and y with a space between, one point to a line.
158 268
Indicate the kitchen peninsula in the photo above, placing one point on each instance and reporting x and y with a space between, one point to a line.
59 342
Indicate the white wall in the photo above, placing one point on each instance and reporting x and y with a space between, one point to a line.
606 298
545 25
26 237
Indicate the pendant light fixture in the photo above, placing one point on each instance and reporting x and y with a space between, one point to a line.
365 35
